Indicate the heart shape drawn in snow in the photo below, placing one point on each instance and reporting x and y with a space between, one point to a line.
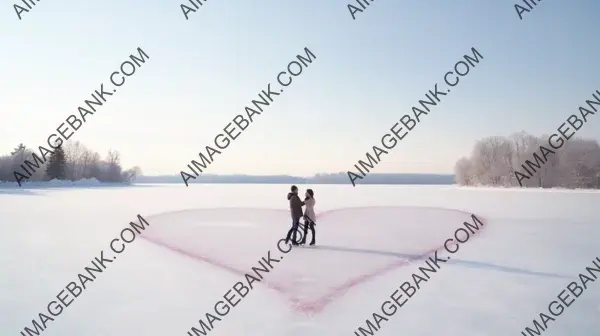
354 245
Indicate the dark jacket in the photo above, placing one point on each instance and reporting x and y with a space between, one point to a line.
295 205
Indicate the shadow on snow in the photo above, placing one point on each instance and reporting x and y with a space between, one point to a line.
457 262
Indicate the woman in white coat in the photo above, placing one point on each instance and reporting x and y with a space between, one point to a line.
309 216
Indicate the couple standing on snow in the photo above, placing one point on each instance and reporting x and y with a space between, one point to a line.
296 212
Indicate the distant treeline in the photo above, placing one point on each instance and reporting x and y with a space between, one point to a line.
335 178
529 161
70 161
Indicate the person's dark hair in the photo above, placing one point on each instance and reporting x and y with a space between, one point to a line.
311 193
294 188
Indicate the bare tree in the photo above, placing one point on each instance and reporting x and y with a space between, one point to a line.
490 160
130 174
88 159
113 166
524 147
94 168
580 164
497 161
73 152
463 172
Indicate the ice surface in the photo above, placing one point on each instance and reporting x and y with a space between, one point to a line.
534 243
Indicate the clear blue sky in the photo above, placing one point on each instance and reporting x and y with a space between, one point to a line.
368 73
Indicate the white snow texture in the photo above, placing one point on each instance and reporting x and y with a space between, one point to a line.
202 240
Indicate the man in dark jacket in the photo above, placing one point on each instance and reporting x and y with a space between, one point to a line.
296 212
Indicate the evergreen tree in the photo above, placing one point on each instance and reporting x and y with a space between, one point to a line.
57 164
19 149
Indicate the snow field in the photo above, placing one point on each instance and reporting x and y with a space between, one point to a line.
535 243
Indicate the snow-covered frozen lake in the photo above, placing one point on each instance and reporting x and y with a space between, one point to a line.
371 239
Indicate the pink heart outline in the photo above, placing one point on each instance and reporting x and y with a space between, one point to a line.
316 306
